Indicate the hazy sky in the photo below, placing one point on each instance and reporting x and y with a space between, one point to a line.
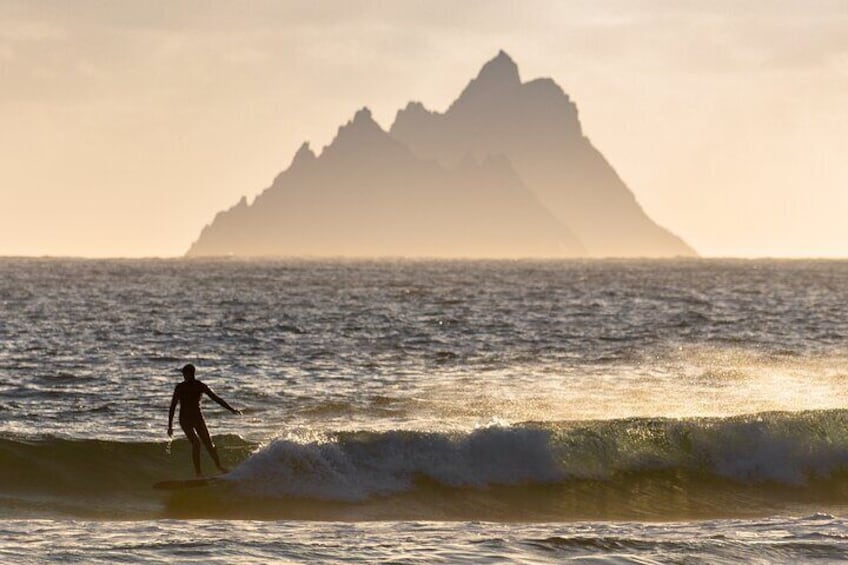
125 126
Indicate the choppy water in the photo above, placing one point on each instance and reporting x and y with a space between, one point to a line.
818 538
545 410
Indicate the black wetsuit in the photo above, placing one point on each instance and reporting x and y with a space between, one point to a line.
189 394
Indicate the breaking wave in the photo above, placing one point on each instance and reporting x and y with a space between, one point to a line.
640 467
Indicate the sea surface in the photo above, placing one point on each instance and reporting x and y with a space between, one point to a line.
427 411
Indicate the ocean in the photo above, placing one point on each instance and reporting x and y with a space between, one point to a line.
402 411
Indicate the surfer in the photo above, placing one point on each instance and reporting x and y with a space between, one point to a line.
188 394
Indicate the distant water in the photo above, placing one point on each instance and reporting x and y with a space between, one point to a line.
420 411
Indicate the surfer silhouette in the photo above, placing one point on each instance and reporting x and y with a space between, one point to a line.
188 394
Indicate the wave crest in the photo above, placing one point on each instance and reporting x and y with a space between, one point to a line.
791 449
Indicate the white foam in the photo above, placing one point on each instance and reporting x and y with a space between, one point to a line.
356 466
786 448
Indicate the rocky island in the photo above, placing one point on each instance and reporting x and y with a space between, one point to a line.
505 172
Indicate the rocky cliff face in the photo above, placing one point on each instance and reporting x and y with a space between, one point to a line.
504 172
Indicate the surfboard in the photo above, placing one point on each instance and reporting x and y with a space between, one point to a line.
186 483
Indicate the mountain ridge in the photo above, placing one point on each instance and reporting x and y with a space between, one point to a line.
365 184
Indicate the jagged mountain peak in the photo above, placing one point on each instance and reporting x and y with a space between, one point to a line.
361 136
414 109
363 117
498 79
536 126
304 155
362 121
500 70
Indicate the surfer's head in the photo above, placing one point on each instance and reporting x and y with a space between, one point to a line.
188 372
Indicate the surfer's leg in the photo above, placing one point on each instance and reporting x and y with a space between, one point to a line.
195 446
203 432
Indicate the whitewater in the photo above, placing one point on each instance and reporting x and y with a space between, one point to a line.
421 411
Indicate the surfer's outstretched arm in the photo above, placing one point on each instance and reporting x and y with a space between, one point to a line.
174 400
221 401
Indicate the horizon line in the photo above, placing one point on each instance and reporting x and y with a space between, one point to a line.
766 257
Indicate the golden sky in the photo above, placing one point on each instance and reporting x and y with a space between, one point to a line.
125 126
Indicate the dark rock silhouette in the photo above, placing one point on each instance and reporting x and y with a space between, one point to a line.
536 126
368 195
504 172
